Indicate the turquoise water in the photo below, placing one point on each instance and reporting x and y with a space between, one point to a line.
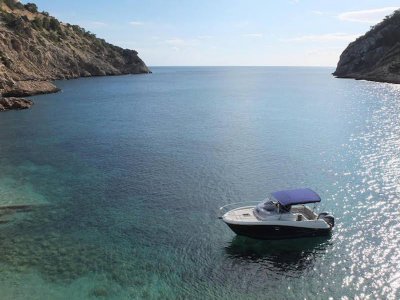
125 175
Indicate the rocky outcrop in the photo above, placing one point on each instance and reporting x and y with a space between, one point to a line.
14 103
29 88
36 49
374 56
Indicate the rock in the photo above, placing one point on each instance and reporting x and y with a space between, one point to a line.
99 292
36 49
14 103
21 207
374 56
29 88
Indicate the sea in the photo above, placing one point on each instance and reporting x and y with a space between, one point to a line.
124 176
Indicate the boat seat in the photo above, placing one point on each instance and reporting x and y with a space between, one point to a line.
299 217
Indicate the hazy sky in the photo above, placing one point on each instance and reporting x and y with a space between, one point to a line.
226 32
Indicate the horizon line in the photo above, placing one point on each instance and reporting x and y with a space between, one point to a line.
240 66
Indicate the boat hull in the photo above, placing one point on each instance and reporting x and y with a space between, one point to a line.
277 232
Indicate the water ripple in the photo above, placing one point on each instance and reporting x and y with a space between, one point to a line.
371 199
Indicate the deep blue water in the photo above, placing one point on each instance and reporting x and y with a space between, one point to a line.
126 175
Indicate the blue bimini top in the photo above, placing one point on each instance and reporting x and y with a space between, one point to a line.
297 196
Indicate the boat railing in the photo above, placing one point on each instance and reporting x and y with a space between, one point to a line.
224 209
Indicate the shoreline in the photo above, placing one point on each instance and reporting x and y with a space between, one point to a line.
14 98
368 78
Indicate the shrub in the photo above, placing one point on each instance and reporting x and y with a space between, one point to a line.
54 24
13 4
5 60
46 23
32 7
79 30
19 5
10 3
61 33
54 36
18 24
37 23
8 19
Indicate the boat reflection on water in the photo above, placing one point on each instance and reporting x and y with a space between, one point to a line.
288 256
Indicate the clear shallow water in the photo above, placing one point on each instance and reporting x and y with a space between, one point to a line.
126 175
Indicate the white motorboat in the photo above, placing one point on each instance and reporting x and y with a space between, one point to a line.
282 215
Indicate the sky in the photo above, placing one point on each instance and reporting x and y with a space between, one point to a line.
226 32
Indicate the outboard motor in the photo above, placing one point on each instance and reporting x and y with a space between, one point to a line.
328 218
322 215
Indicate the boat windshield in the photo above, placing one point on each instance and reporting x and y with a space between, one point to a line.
266 209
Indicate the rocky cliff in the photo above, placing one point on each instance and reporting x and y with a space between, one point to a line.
36 49
374 56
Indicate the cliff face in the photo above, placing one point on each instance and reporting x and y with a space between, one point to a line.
374 56
36 48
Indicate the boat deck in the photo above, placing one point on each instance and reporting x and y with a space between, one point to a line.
245 214
241 214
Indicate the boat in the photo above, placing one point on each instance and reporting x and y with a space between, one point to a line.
282 215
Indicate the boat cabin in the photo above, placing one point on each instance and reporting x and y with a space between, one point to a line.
288 202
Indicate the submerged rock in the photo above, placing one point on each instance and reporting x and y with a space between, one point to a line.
374 56
14 103
99 292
